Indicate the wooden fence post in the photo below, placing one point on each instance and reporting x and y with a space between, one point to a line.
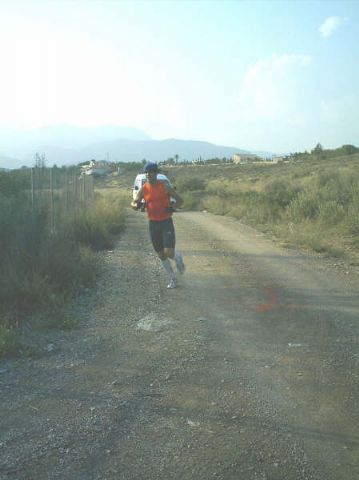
33 186
66 192
52 212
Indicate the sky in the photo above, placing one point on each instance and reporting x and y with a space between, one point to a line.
277 76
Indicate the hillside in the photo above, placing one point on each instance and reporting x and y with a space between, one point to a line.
67 145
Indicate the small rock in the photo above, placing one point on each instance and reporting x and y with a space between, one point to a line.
191 423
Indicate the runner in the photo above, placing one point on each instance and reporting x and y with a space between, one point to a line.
157 196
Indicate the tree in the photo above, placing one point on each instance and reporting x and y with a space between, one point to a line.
349 149
318 150
40 160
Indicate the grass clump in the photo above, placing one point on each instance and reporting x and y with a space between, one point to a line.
97 226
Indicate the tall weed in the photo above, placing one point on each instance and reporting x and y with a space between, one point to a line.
305 206
97 226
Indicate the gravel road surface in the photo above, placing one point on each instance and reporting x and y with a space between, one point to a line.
248 370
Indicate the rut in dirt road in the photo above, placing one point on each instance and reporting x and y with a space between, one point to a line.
248 370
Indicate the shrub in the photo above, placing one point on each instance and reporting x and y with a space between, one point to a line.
216 204
96 226
280 193
305 206
192 200
352 219
348 150
190 183
327 176
331 213
13 183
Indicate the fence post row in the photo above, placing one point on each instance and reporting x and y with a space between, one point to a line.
58 193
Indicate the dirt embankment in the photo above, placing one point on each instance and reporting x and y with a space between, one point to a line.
248 370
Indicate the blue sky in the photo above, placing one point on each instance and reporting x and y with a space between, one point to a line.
279 76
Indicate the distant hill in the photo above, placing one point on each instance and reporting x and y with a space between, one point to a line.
135 151
159 150
8 162
65 145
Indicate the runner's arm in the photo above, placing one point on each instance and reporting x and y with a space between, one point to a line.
137 199
171 192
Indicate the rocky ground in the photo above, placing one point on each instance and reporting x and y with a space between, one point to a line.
248 370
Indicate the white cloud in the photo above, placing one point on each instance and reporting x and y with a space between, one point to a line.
330 25
270 86
270 109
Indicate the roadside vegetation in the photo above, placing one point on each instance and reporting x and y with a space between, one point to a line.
310 200
41 270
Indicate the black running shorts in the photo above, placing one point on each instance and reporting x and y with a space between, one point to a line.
162 234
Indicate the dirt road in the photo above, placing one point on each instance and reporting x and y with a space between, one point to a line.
248 370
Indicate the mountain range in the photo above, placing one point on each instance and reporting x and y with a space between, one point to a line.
67 145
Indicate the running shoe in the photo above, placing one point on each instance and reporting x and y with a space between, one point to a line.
173 283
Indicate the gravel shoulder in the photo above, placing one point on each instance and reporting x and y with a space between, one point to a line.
249 369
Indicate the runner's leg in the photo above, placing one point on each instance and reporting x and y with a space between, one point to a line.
157 238
169 242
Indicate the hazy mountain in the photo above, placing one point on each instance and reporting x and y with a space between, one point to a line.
23 144
8 162
135 151
158 150
65 145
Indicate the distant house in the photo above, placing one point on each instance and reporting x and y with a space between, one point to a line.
278 158
98 168
243 158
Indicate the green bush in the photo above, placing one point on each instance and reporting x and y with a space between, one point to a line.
15 182
192 200
331 213
352 219
305 206
190 183
216 204
280 193
326 177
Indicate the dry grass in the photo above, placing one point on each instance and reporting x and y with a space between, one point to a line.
311 202
41 270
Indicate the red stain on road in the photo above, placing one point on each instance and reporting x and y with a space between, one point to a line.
272 301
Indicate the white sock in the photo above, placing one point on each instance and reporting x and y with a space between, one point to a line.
168 267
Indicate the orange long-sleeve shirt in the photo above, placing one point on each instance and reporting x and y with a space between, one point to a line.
157 201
